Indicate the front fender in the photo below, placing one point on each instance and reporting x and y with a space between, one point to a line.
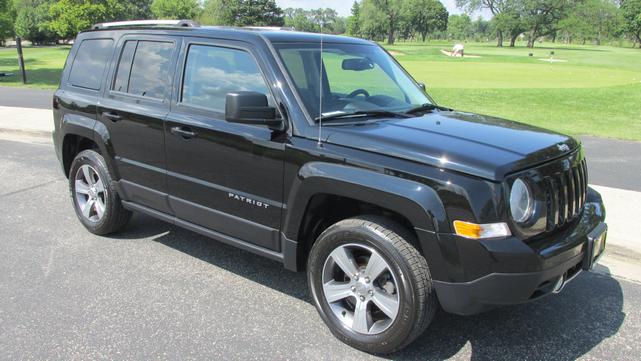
417 202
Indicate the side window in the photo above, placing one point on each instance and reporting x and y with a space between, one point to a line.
124 66
89 64
211 72
144 68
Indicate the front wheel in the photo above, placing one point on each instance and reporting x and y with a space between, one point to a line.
370 285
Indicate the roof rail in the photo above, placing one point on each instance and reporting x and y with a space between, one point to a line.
134 23
272 28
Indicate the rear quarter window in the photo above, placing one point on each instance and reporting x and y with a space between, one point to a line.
89 64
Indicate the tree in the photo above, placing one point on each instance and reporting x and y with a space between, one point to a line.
510 23
542 17
175 9
592 20
631 11
426 16
300 19
242 13
390 11
6 20
339 26
496 7
32 21
216 12
481 29
69 17
373 24
135 10
353 21
459 27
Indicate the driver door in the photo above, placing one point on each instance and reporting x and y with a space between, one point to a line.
225 177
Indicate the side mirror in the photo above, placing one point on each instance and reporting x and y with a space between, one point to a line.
422 86
250 108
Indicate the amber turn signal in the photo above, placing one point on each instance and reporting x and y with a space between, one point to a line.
478 231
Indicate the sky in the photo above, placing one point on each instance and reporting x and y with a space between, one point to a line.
343 6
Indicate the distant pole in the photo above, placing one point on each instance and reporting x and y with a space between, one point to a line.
21 60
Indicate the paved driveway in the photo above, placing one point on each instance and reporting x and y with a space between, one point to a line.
156 291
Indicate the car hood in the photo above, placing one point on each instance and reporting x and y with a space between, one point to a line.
479 145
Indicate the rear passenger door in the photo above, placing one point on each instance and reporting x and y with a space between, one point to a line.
223 176
134 107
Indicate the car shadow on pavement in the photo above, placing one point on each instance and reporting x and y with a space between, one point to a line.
245 264
557 327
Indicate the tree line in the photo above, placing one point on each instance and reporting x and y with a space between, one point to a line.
580 21
594 21
569 20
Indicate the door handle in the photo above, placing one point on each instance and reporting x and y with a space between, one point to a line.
112 116
184 132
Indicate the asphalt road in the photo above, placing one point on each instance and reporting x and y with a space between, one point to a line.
613 163
25 97
158 292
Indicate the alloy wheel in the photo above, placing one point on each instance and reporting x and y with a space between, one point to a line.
360 288
90 193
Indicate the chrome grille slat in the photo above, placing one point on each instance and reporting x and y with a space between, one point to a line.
580 188
563 206
584 165
553 204
571 193
566 194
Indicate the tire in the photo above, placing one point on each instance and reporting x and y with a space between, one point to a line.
379 333
106 214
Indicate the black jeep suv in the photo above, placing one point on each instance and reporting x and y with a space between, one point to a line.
322 153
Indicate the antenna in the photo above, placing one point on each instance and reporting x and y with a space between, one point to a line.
320 81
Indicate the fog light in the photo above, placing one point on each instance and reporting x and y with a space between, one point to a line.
478 231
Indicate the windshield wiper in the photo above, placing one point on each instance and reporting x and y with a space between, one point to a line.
364 114
425 108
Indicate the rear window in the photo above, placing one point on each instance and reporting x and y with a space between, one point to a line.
89 64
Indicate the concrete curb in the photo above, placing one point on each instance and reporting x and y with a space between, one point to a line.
26 121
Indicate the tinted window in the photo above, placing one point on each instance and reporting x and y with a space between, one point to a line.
124 66
90 62
212 72
150 71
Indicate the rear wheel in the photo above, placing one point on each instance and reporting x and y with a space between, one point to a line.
95 199
370 285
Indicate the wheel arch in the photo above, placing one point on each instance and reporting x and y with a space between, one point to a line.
82 133
325 193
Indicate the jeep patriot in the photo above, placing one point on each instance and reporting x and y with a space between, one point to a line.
323 153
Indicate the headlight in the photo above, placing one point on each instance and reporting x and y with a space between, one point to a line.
521 202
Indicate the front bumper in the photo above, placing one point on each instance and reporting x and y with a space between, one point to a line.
523 272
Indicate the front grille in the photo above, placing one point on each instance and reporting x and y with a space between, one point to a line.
565 195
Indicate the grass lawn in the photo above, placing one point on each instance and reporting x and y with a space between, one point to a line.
593 90
43 64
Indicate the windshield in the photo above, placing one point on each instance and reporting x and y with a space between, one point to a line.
356 78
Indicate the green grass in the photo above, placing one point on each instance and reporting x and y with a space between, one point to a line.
43 64
597 91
